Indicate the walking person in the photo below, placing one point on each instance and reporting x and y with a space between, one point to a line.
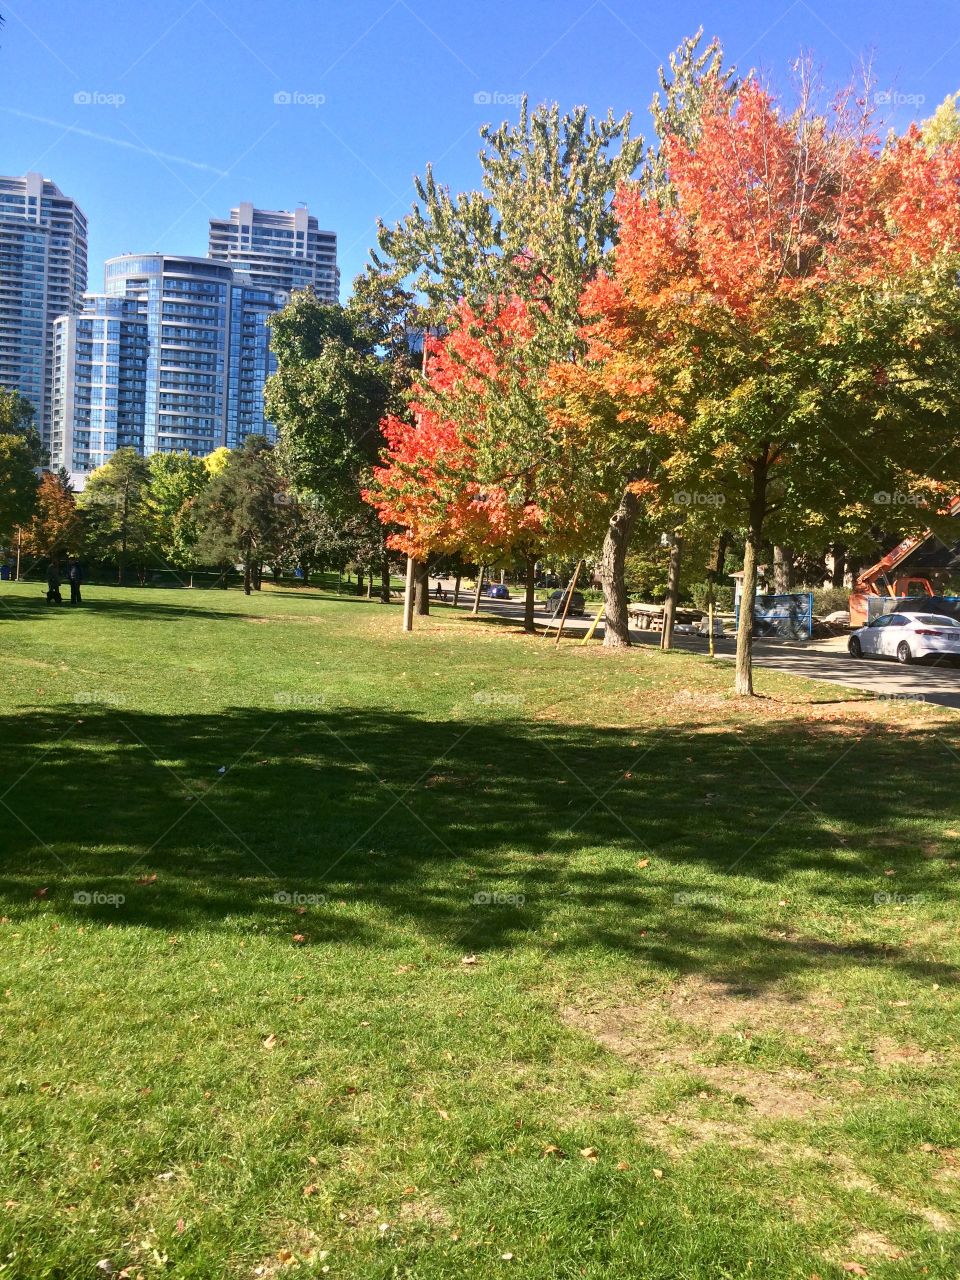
75 577
53 584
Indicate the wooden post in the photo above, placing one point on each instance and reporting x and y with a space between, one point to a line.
711 647
476 598
408 594
567 602
673 591
16 576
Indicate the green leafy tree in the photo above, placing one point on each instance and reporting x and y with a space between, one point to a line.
21 454
18 483
119 521
332 389
176 482
943 127
241 513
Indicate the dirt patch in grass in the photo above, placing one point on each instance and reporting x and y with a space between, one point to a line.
887 1053
705 1006
871 1244
674 1030
425 1212
936 1220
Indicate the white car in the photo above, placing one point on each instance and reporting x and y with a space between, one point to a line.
907 636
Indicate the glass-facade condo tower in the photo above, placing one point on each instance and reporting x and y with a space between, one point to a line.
43 273
279 249
172 356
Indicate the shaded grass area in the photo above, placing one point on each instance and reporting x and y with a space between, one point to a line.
408 924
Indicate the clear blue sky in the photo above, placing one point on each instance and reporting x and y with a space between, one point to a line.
183 123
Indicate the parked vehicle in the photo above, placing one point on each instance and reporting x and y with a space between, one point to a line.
907 636
497 591
578 604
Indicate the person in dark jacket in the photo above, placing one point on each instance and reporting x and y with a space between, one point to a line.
53 584
75 576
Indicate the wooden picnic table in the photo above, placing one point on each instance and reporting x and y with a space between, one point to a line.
649 617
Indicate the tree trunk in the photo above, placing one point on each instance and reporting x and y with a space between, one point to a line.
839 554
258 575
673 592
616 630
530 599
359 582
385 580
782 570
409 593
476 598
748 595
423 588
247 570
456 588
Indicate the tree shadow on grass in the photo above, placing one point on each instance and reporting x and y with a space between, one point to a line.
146 605
477 834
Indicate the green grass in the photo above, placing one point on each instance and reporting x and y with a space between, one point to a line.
681 963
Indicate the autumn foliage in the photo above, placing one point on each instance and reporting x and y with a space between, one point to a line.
787 295
467 470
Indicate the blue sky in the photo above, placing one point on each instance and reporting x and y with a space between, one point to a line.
156 116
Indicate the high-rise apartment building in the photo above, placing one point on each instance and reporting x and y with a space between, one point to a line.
172 356
279 249
43 273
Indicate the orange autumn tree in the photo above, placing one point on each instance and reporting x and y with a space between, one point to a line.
779 325
56 531
473 471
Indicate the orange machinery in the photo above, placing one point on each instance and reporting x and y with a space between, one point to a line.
884 574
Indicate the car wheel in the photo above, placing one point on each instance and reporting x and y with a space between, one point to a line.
903 652
856 650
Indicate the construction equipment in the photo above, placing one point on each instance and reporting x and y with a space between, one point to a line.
901 571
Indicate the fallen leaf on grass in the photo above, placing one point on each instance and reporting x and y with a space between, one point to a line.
644 862
181 1226
552 1150
299 937
469 960
310 1189
42 893
147 880
658 1173
590 1153
854 1268
270 1041
506 1257
622 1165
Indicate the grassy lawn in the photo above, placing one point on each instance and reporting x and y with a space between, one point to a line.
457 955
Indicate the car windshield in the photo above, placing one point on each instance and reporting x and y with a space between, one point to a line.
936 620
